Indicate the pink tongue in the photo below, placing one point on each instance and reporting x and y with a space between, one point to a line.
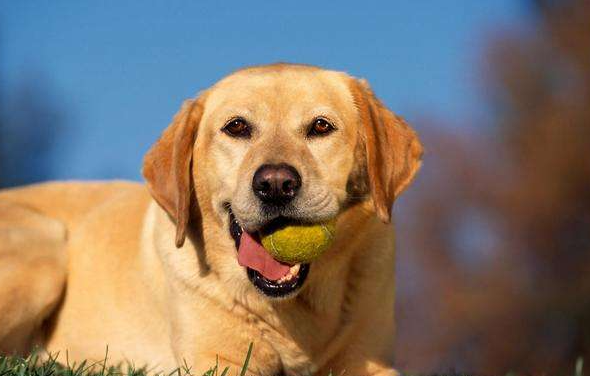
253 255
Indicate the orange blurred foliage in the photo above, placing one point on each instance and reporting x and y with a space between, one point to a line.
495 236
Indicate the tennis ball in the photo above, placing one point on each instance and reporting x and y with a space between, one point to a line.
299 243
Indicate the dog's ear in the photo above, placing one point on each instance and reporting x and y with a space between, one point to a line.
167 166
393 151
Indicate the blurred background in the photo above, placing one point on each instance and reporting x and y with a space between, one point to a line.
493 237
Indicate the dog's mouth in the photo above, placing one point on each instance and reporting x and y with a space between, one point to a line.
270 276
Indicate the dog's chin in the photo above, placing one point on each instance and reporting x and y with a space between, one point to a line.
286 287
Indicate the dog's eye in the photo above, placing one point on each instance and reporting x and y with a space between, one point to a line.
320 127
237 128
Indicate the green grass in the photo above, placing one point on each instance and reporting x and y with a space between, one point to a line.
31 366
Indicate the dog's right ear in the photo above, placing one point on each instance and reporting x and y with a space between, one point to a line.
167 166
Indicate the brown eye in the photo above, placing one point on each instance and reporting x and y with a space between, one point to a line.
237 128
320 127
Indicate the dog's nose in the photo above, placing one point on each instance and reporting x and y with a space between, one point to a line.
276 183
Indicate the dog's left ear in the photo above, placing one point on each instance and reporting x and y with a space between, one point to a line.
167 166
393 151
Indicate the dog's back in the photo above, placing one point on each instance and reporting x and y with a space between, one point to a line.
68 202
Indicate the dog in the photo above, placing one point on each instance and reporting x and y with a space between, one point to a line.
152 271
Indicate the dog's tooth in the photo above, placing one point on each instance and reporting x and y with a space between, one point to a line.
295 269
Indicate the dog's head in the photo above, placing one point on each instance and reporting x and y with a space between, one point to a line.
280 143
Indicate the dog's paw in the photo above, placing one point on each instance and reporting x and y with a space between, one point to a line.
386 372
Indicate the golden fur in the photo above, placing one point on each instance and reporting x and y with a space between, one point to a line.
86 265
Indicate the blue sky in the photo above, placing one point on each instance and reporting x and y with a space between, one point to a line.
120 69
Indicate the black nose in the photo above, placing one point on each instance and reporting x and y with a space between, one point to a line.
276 184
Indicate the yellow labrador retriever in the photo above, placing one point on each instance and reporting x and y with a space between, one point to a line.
159 273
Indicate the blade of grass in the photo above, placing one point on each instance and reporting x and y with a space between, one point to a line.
579 367
247 361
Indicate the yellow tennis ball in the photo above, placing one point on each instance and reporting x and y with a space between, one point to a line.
299 243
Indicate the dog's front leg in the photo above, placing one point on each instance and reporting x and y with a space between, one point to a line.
358 367
367 350
202 363
205 352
